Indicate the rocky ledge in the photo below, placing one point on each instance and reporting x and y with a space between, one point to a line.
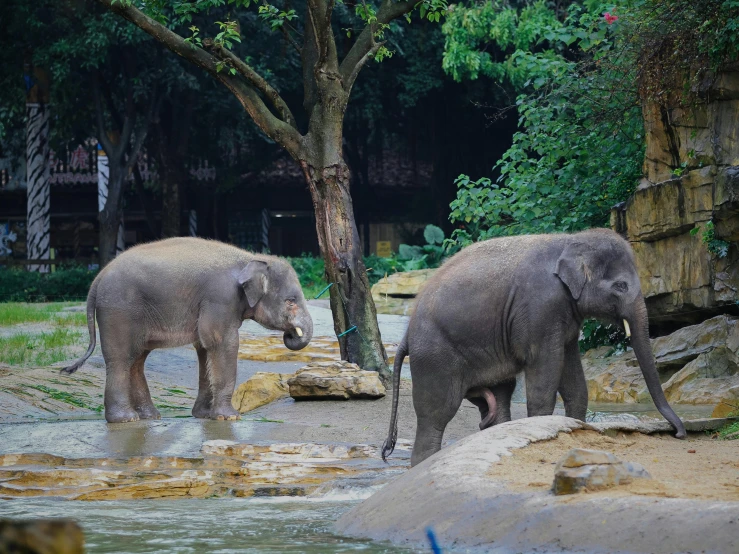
487 492
698 364
225 468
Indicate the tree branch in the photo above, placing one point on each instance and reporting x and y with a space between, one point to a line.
276 129
259 83
357 55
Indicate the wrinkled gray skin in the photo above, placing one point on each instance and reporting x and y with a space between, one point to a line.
517 304
187 291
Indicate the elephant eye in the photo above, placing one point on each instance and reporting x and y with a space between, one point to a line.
290 300
620 286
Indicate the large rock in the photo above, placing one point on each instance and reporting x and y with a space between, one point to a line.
712 377
455 493
262 388
335 381
691 177
591 470
697 364
55 536
394 294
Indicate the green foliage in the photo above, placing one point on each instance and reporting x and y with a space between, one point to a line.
580 147
422 257
312 271
595 334
68 283
716 246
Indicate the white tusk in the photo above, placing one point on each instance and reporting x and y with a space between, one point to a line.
299 331
626 328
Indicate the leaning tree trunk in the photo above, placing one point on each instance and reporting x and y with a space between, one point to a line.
351 300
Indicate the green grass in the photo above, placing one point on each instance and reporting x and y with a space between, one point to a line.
42 349
13 313
730 431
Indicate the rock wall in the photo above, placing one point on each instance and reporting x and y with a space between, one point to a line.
691 177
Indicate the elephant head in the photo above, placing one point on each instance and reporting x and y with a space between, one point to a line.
276 300
600 272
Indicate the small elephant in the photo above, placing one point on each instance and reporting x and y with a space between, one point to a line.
515 304
187 291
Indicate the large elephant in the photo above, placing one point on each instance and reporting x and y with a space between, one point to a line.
187 291
515 304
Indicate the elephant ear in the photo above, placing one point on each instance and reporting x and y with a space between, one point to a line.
254 280
572 268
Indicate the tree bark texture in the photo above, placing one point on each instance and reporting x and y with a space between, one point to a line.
38 185
351 300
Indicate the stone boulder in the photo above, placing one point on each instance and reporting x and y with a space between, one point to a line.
691 177
334 381
583 470
262 388
712 375
394 294
55 536
698 364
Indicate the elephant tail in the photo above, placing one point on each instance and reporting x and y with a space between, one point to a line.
91 301
389 445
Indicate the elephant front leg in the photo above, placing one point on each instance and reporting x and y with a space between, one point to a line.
543 377
573 387
204 402
221 375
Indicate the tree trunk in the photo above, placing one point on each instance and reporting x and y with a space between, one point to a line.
351 300
109 213
38 185
171 205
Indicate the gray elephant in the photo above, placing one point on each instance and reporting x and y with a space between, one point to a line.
516 304
187 291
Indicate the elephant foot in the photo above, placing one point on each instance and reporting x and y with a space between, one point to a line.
149 412
225 413
202 410
121 415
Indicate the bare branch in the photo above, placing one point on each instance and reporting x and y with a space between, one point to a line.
365 42
349 81
281 132
259 83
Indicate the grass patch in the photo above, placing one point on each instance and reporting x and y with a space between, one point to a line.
177 391
62 396
42 349
13 313
730 431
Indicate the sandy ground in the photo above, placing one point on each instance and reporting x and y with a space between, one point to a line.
699 467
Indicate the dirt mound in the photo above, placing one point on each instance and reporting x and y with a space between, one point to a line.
698 467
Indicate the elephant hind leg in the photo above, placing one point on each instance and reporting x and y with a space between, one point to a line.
140 395
489 409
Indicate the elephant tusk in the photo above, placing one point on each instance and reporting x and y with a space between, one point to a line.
299 331
626 328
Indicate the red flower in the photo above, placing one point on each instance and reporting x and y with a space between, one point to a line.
610 18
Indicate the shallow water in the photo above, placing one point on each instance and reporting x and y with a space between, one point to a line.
217 525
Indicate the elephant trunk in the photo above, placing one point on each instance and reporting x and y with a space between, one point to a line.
300 333
643 350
